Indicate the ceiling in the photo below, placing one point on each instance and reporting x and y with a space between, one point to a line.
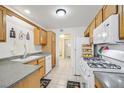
45 15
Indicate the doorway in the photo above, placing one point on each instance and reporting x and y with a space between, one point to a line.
65 46
67 50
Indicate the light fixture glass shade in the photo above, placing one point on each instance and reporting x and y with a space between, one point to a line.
27 11
62 36
60 12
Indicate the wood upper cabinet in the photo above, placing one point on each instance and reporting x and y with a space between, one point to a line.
109 10
40 36
43 37
86 33
2 24
48 47
37 36
99 18
121 21
91 27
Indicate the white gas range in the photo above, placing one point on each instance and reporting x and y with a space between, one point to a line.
96 64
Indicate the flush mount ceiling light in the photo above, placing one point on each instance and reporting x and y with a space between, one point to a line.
62 36
60 12
27 11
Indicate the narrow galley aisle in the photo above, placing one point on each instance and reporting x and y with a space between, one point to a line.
61 74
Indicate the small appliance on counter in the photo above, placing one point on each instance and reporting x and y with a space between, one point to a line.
12 33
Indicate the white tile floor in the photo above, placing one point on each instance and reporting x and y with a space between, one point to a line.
61 74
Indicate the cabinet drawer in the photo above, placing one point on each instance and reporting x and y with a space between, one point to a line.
41 59
41 62
33 62
42 71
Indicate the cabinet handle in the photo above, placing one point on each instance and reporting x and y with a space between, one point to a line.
41 66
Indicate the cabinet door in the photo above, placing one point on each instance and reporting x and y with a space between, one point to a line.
2 25
108 10
41 62
98 84
53 49
47 47
99 18
92 27
37 36
121 20
31 81
86 33
43 37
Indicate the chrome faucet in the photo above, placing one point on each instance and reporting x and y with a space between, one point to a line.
25 52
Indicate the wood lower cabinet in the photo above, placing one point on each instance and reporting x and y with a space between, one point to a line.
108 10
31 81
33 62
121 21
98 84
2 24
41 62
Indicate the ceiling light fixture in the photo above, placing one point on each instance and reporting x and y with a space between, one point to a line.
62 36
60 12
27 11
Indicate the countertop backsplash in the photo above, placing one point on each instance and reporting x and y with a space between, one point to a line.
15 46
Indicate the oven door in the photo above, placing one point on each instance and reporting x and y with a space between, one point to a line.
87 75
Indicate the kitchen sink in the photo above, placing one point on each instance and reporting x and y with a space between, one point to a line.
26 59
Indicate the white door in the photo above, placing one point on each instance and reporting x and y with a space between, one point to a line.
67 48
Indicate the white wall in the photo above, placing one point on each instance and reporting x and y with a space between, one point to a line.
75 33
15 46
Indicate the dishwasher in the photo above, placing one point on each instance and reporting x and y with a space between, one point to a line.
48 64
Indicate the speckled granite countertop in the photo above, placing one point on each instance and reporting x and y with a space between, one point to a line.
12 72
110 80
